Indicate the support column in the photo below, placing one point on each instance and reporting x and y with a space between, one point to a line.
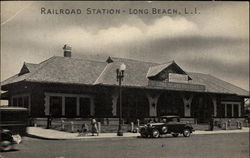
78 106
11 101
215 106
239 106
63 105
92 106
187 104
232 110
114 103
46 105
153 104
29 104
225 110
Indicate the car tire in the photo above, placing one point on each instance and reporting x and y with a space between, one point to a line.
155 133
164 129
186 133
5 145
175 134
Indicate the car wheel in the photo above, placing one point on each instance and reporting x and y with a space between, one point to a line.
175 134
164 129
186 133
5 145
155 133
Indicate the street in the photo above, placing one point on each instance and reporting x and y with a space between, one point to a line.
234 145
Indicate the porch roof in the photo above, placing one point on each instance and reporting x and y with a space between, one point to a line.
81 71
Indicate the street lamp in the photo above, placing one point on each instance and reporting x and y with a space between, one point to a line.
119 77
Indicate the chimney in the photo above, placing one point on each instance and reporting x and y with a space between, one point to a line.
67 50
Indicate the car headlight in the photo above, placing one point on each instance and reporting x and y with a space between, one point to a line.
17 138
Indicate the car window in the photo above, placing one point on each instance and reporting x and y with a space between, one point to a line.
175 120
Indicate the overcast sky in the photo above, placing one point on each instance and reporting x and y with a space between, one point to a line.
214 41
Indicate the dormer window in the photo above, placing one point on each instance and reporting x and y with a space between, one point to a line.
168 72
24 70
27 68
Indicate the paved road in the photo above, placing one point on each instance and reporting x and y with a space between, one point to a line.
202 146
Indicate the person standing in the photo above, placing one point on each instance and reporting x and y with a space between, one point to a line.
212 123
49 120
94 128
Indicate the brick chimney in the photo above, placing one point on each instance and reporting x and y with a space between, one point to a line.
67 50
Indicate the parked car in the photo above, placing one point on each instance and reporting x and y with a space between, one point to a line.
13 123
8 140
166 125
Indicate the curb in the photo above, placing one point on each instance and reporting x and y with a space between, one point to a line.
44 138
117 137
81 138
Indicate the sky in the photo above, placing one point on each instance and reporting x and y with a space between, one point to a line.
214 41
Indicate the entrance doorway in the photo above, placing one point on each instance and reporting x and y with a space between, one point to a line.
170 103
202 108
134 105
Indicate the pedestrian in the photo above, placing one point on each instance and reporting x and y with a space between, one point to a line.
49 120
94 128
212 123
84 130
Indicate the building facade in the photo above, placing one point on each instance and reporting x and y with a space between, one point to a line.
71 87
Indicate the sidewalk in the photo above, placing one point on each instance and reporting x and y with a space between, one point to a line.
60 135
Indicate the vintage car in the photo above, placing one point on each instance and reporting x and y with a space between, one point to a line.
13 123
8 140
166 125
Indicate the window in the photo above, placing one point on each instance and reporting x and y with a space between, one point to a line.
222 111
70 106
26 102
236 110
55 106
14 101
21 101
84 106
229 110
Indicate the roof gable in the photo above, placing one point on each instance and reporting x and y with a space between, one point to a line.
23 70
27 68
161 71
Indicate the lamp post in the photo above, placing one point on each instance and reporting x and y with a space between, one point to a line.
119 77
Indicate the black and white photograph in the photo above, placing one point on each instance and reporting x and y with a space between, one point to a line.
124 79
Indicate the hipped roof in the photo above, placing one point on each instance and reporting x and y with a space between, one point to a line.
88 72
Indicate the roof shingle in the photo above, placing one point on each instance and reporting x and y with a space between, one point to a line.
81 71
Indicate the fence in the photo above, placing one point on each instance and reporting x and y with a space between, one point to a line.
110 125
73 126
226 124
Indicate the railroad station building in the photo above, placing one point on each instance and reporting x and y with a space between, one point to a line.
64 86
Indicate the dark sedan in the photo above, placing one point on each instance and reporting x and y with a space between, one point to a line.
166 125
